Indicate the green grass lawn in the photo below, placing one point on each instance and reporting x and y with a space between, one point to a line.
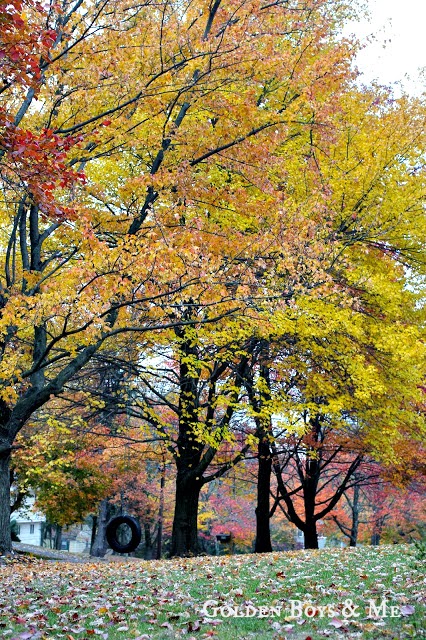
344 593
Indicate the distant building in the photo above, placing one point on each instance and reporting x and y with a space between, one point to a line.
77 538
30 523
300 540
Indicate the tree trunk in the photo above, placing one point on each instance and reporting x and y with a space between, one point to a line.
309 495
99 547
311 535
375 539
19 496
5 534
355 517
93 533
263 534
161 514
185 526
148 541
58 537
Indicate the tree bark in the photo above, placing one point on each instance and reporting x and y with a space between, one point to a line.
311 535
375 539
263 534
58 536
185 525
161 514
19 497
148 541
94 528
5 533
355 517
310 488
99 547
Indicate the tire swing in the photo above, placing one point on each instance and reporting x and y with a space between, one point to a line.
112 530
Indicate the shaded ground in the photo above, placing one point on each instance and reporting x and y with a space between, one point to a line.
47 554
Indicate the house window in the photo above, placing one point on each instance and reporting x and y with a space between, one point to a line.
31 528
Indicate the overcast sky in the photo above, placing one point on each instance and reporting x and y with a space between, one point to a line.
401 26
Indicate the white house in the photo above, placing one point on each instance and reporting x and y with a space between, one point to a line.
30 523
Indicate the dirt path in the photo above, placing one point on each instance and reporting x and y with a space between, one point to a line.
66 556
49 554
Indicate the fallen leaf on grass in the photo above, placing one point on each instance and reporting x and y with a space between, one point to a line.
336 623
194 626
407 610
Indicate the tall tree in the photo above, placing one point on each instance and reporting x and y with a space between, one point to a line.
353 503
192 400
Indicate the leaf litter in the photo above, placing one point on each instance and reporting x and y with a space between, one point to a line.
144 600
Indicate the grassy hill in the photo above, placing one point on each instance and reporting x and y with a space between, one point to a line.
369 592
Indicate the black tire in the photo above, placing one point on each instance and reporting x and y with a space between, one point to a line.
111 534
